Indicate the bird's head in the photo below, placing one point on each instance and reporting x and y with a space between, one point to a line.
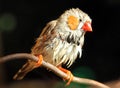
75 19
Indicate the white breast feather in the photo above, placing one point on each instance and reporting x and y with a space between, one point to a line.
64 52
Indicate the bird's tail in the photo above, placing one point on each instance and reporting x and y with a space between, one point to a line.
23 71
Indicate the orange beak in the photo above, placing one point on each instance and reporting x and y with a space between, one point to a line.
87 26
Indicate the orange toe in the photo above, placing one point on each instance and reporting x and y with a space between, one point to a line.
38 64
69 75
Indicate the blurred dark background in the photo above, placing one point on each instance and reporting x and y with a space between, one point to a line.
21 23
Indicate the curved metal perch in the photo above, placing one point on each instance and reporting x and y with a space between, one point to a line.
52 68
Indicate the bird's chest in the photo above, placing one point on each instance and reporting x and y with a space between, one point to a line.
60 51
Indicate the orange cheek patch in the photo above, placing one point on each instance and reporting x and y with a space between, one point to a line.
73 22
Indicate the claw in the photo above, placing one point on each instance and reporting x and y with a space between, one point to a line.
39 63
69 75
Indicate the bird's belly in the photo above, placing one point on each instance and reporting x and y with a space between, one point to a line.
61 52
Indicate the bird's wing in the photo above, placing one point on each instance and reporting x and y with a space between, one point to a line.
49 27
39 46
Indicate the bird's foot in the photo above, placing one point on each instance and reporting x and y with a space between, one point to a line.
40 59
69 75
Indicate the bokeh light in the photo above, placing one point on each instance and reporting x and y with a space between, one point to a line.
7 22
84 72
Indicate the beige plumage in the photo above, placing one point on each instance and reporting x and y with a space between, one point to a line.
61 40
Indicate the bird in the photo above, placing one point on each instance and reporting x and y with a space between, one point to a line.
60 42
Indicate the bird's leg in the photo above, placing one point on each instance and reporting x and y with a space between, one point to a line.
40 59
69 75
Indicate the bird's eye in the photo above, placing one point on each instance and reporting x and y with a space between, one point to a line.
80 20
